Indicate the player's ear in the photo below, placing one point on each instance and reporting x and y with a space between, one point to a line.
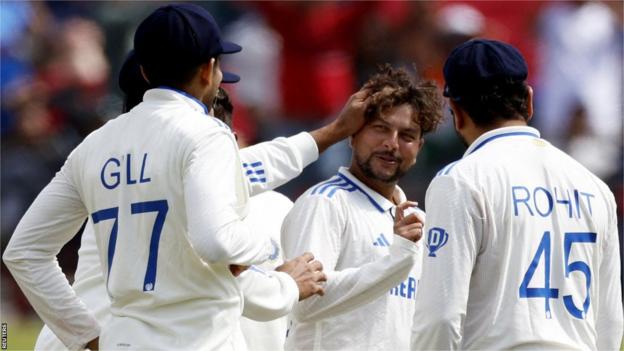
206 71
529 103
458 115
143 74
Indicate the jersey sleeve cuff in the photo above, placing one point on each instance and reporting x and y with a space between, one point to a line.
304 142
80 343
291 290
400 244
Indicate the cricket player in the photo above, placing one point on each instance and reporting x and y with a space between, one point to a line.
363 230
165 190
522 243
267 294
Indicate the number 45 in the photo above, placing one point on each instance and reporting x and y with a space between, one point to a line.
550 293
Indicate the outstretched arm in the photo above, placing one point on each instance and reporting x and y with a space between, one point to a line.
272 163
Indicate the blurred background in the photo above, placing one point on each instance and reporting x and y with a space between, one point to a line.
301 61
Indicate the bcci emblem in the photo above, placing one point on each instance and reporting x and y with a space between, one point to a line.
436 238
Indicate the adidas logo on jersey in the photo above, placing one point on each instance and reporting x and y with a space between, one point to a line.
381 241
330 187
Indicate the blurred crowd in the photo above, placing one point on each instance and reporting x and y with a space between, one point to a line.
301 61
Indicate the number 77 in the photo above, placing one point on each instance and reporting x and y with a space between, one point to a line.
161 208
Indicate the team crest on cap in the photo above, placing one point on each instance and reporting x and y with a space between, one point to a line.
436 238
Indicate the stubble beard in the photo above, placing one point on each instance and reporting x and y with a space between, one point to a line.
368 170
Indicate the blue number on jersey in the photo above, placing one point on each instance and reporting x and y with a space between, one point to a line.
546 292
102 215
161 208
568 240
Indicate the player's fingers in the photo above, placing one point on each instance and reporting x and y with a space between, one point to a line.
319 290
411 227
410 219
412 232
406 204
401 208
316 266
361 94
307 256
320 276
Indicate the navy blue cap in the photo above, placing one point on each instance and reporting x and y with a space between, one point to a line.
131 81
180 35
475 65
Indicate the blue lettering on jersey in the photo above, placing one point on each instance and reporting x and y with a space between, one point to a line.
436 238
407 289
114 175
111 172
542 201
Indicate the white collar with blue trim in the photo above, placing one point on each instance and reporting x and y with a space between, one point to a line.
168 93
381 203
501 133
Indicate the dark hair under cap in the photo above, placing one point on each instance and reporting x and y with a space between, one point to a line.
131 82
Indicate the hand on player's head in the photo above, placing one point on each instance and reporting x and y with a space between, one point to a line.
351 118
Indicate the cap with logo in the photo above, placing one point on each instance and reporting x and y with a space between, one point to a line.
180 35
474 66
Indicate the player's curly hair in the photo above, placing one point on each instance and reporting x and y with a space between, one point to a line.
391 87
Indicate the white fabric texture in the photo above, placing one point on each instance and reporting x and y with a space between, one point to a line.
173 175
515 230
266 213
372 279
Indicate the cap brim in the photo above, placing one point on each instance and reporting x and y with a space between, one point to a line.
230 77
230 48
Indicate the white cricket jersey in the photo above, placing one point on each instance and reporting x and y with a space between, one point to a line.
371 272
266 213
522 251
164 187
266 294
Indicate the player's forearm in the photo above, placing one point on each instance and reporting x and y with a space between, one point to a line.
353 287
327 136
270 164
349 121
232 243
30 256
267 295
46 288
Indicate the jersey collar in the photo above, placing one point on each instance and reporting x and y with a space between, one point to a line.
170 93
377 200
505 132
